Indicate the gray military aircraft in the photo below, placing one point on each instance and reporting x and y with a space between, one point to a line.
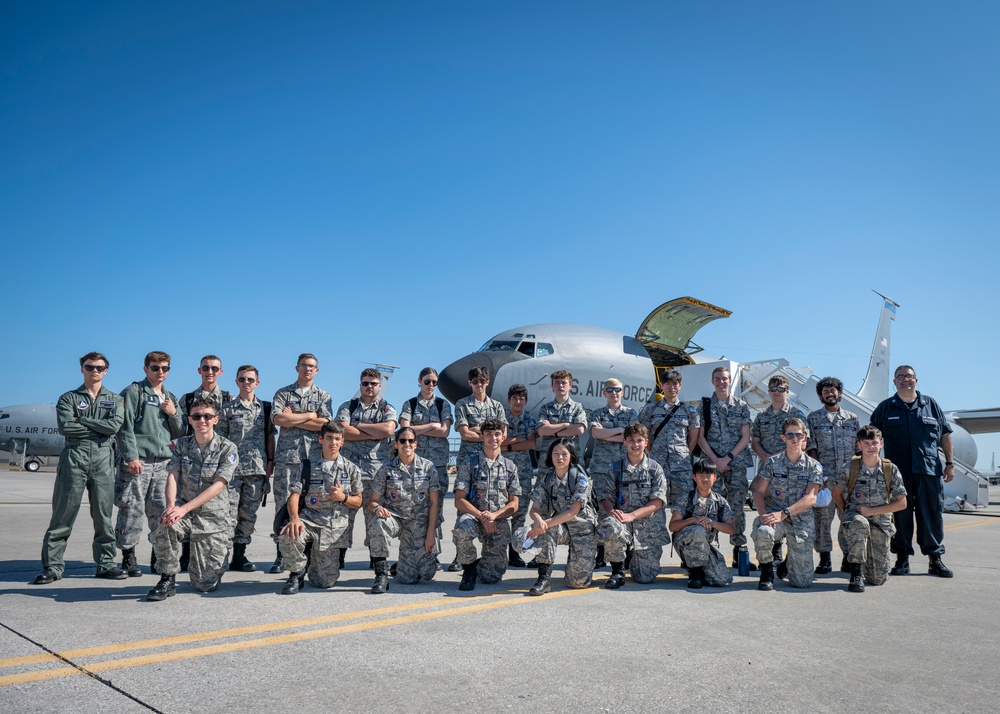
28 431
528 355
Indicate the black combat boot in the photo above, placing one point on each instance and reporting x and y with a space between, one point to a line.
781 570
342 557
152 563
902 566
454 567
129 564
239 562
296 581
857 581
776 553
544 582
46 577
163 589
279 563
845 567
599 561
936 567
514 559
469 575
185 555
825 564
617 578
766 577
381 576
696 577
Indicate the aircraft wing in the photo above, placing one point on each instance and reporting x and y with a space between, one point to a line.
977 421
667 331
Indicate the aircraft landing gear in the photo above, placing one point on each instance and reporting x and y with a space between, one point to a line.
33 465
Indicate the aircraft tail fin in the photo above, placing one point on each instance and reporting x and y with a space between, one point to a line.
876 385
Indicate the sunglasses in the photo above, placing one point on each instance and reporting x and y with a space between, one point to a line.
613 389
158 368
428 382
202 417
246 380
369 384
795 435
209 368
406 441
95 367
779 390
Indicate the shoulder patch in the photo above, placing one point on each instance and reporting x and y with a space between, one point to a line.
232 457
82 404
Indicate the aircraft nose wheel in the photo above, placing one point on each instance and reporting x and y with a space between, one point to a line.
32 466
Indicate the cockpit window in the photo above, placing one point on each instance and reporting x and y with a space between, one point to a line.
544 349
4 416
499 346
527 348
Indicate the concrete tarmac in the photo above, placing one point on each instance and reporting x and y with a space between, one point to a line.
918 643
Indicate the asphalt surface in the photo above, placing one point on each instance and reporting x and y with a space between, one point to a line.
918 643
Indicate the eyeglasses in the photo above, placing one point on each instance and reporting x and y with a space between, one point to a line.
475 382
158 368
309 367
202 417
210 368
369 384
613 389
246 380
905 377
429 382
795 435
779 390
406 441
95 367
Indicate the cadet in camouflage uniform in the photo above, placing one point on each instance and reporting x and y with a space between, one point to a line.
473 410
368 423
431 420
674 428
868 506
832 435
210 369
695 522
632 494
519 444
89 417
404 503
561 514
152 420
320 516
785 494
246 422
562 417
607 427
300 410
486 496
200 469
725 442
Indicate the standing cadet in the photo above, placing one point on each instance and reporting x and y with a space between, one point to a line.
724 440
914 428
210 369
632 493
695 522
404 503
246 421
320 515
868 496
832 435
607 427
368 423
674 429
486 496
785 493
300 410
197 505
89 417
562 417
561 514
519 444
152 420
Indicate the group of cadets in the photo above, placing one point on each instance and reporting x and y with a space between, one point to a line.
197 470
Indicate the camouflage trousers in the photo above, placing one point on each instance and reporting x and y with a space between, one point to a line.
209 553
732 486
823 518
581 538
526 479
679 484
868 543
645 537
138 495
693 544
414 564
245 495
324 560
493 563
800 554
281 479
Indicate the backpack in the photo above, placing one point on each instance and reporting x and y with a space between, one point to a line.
852 479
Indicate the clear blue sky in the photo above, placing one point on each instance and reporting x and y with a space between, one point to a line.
397 182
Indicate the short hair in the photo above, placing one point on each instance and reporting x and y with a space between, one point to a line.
612 382
721 369
517 390
155 357
479 373
562 374
793 421
869 432
828 382
704 466
903 366
426 371
371 373
94 356
635 428
331 427
574 458
306 355
247 368
492 424
777 381
203 404
669 376
399 433
217 359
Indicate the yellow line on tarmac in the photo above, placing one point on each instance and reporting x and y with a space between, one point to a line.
195 652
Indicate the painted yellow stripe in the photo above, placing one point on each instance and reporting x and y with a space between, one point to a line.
27 677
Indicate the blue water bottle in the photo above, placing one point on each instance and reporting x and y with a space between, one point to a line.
743 561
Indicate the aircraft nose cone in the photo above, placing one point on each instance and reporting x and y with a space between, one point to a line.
453 380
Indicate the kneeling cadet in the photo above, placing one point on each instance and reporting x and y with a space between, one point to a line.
695 522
